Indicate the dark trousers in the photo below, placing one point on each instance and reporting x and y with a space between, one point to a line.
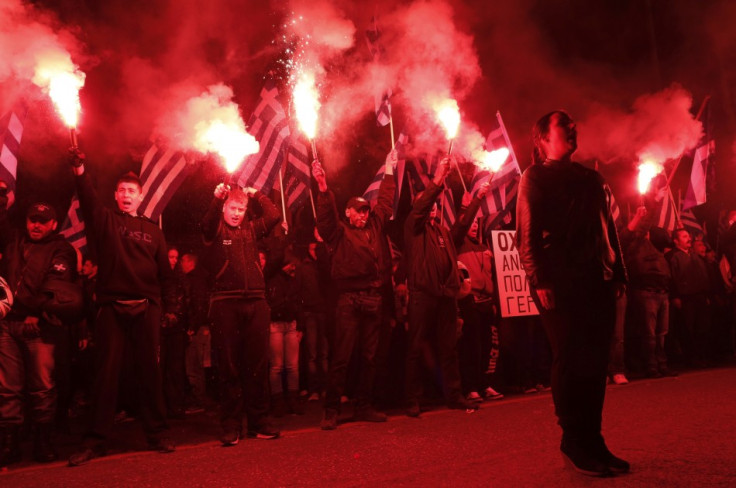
478 345
358 320
240 338
579 329
315 332
173 369
135 338
433 318
27 369
696 327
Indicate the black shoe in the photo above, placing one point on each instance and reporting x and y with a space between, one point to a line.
462 404
616 464
161 444
43 450
653 373
584 460
413 410
10 446
230 437
264 432
668 372
86 455
329 421
369 414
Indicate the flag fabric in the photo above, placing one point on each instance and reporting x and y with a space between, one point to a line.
500 200
447 208
297 175
11 133
270 127
691 223
162 173
615 211
73 227
371 193
667 218
419 172
702 161
383 108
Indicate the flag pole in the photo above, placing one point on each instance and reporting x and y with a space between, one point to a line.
311 199
283 198
457 167
391 124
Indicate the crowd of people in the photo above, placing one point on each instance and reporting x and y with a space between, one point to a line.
257 326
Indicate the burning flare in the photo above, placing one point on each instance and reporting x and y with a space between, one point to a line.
492 160
62 84
306 104
647 171
230 141
449 114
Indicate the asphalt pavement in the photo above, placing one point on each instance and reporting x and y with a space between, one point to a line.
676 432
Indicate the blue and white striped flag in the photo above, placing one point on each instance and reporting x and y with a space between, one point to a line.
501 197
11 132
162 173
270 127
297 175
73 227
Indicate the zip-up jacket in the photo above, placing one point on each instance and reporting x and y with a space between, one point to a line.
232 252
431 256
357 257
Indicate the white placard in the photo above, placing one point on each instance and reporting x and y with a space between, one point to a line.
513 286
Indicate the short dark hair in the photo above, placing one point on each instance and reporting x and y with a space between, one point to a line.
129 177
677 231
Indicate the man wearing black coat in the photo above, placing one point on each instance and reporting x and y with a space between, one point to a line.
355 248
239 313
35 263
133 279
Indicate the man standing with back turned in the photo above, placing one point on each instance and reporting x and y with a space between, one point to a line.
571 254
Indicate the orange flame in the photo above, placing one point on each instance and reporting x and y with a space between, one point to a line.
492 160
230 141
63 85
647 171
306 104
449 114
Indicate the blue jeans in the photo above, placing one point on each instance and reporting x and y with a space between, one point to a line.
284 356
27 363
654 308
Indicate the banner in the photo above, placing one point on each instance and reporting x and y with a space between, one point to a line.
513 286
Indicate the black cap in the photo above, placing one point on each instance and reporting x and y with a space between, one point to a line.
358 203
42 211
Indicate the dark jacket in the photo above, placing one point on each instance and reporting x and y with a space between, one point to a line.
431 257
132 253
311 279
647 267
232 252
283 297
565 231
196 286
689 274
475 256
31 267
357 255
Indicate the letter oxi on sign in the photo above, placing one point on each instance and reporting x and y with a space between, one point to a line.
513 286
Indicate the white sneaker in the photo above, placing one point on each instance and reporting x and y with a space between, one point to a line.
473 397
492 394
620 379
314 397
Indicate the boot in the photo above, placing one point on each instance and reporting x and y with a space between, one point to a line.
278 405
43 449
9 445
295 402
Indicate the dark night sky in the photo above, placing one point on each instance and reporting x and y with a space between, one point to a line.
535 56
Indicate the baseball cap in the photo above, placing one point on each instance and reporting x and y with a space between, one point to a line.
358 203
42 211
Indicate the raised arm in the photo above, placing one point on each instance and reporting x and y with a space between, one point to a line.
271 214
212 217
328 223
422 207
462 225
384 208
